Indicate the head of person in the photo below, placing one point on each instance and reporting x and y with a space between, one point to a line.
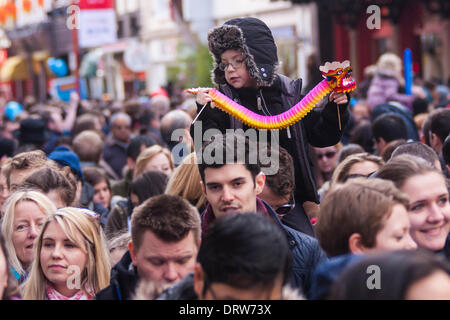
23 164
121 126
231 174
390 147
88 145
135 147
185 182
4 190
154 158
70 238
356 165
242 257
446 152
362 135
327 159
364 216
279 188
439 129
348 150
87 121
118 246
147 185
244 53
386 128
165 237
420 150
176 120
25 213
98 179
405 275
8 283
59 185
160 103
429 208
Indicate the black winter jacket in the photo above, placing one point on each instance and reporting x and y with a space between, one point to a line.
123 281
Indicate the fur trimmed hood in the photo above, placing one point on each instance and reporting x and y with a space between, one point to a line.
254 38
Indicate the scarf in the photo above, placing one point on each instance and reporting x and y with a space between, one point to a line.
52 294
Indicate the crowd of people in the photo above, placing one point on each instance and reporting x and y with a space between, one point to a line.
117 201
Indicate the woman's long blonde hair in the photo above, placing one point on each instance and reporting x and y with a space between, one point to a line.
74 222
185 182
147 154
41 200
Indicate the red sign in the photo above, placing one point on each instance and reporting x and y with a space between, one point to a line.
96 4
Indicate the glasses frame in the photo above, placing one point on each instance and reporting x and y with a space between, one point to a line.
236 64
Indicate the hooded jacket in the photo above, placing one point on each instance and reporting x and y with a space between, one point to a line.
275 94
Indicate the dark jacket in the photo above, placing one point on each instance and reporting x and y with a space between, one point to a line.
328 272
115 154
183 290
123 281
306 251
276 93
86 201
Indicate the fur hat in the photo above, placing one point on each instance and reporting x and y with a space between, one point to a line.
254 39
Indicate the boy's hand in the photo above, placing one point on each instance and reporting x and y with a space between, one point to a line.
203 97
338 98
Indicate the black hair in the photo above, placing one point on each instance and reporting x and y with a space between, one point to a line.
149 184
440 124
134 147
446 150
227 149
244 251
398 271
389 126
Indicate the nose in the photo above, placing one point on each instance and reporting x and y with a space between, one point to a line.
435 213
170 273
227 194
33 231
57 253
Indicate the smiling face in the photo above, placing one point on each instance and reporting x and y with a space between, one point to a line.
28 220
238 77
58 253
231 189
429 210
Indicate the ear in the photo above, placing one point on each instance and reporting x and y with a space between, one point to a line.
355 244
130 163
260 181
435 142
133 253
199 278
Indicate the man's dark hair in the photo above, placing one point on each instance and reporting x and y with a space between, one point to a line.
389 126
417 149
283 182
244 251
149 184
134 147
231 148
170 218
440 124
446 150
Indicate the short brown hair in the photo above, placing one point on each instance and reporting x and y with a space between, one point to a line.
358 206
340 174
283 182
170 218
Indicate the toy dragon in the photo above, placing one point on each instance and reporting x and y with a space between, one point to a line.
337 78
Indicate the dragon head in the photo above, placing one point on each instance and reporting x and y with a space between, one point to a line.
338 76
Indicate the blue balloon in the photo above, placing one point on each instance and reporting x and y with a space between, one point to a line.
13 109
57 66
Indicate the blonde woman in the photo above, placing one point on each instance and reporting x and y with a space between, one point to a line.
185 182
72 259
154 158
25 213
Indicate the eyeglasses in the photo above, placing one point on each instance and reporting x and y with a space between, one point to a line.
329 155
285 208
236 64
358 175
